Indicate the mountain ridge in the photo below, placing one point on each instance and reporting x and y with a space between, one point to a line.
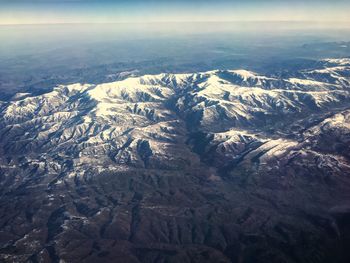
218 166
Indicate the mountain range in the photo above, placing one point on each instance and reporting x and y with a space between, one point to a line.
217 166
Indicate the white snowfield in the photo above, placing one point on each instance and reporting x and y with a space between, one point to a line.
139 120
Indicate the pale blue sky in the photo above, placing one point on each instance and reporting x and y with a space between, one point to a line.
108 11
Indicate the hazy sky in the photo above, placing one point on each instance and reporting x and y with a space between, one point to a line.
109 11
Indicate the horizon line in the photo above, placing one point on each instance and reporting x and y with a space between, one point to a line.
183 21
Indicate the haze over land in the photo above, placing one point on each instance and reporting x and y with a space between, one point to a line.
40 56
51 42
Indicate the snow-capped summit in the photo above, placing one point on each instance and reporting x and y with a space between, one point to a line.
136 121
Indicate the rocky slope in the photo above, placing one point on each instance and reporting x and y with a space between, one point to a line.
219 166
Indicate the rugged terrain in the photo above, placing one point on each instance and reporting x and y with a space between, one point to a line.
218 166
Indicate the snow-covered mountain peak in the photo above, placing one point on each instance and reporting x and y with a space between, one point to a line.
128 121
